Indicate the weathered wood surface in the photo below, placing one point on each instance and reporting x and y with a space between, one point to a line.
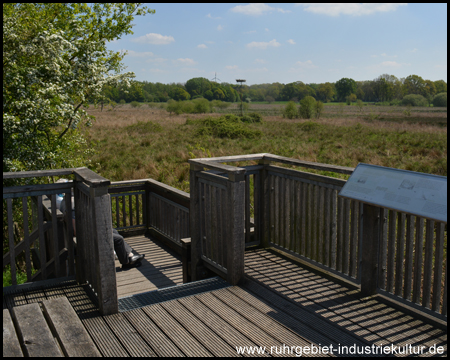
70 332
11 345
279 305
33 333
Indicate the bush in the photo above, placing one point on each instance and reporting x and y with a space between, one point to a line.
135 104
414 100
307 106
290 110
309 126
318 108
188 107
252 118
174 107
228 126
440 100
201 106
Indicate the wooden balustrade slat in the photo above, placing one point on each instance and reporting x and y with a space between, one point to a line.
383 249
391 251
327 227
340 234
418 261
55 236
42 247
346 237
310 220
314 219
12 254
428 263
410 219
353 263
400 254
438 261
26 238
333 228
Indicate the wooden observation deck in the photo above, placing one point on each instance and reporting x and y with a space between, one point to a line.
218 278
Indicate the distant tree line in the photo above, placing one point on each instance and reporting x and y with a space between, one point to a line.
384 88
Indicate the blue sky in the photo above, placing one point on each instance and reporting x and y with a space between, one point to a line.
266 43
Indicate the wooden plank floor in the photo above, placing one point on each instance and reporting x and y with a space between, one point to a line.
280 309
160 268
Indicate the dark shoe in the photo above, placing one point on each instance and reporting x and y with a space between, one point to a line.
134 261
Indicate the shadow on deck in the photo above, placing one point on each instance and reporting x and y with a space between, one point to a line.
280 309
160 268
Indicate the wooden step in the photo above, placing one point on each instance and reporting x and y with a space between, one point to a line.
51 330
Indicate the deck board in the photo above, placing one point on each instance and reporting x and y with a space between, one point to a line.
160 268
279 304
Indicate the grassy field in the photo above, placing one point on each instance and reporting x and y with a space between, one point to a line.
147 142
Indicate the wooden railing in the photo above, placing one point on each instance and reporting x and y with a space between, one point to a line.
301 214
229 209
148 206
38 232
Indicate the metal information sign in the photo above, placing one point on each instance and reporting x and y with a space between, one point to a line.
407 191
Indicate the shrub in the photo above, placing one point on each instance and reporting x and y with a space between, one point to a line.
188 107
135 104
290 110
307 105
440 100
174 107
201 106
414 100
318 108
252 118
309 126
225 127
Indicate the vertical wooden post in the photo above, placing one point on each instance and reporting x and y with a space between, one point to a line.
370 248
194 222
236 240
186 258
106 272
264 196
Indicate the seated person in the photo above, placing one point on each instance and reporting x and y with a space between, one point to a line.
123 251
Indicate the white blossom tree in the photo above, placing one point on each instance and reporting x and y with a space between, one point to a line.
55 59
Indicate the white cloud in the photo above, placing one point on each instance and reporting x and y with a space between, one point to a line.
231 67
256 9
138 54
185 61
209 16
308 64
414 50
391 64
220 27
250 32
156 60
355 9
292 42
155 39
202 46
260 61
263 45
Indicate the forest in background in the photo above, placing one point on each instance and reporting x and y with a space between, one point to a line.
385 88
